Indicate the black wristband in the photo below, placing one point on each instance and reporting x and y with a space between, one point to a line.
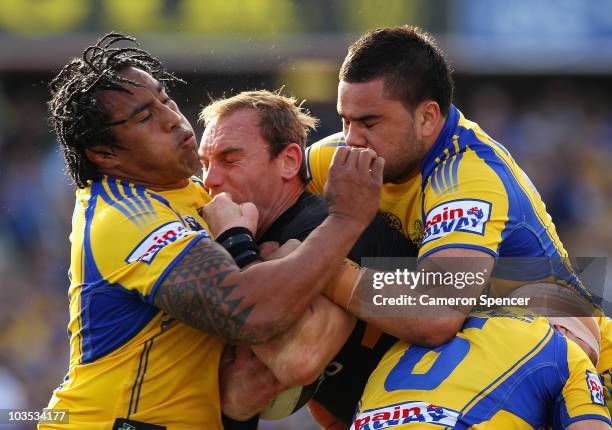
234 231
239 242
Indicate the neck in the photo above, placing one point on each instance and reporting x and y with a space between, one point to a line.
181 183
289 196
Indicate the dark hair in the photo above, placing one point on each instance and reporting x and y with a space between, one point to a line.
282 119
413 67
79 120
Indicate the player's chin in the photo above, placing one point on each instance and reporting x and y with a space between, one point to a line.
191 165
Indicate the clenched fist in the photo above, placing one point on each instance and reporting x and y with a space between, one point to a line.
222 213
353 186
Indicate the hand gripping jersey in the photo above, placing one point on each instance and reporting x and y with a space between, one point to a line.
506 369
339 387
469 193
341 384
128 359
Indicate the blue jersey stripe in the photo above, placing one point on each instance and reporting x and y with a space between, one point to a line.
148 348
120 200
520 208
113 203
135 384
456 161
143 195
434 184
522 214
91 273
447 176
165 202
439 179
127 190
520 379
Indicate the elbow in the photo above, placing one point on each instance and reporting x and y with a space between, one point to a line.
235 412
437 331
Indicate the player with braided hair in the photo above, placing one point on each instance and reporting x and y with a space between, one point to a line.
79 120
152 297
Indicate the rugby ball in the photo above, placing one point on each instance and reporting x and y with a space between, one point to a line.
288 402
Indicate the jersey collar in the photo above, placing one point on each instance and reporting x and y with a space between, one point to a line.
444 141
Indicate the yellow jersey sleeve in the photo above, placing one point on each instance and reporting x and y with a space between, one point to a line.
582 397
142 243
318 159
464 206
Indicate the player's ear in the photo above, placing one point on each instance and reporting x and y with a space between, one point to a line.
291 160
103 156
427 117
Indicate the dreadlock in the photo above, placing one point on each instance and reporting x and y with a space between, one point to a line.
78 119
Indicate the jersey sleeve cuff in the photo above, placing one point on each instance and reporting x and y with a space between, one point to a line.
458 245
587 417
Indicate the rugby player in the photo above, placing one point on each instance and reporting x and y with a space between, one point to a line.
253 148
506 368
152 298
448 186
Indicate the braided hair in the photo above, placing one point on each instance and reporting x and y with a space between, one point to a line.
78 118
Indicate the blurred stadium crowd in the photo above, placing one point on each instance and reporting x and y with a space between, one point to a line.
559 130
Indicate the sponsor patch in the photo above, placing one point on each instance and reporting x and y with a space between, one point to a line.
595 388
464 215
156 240
405 413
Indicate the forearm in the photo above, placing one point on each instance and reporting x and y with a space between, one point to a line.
413 325
428 325
279 291
208 291
298 355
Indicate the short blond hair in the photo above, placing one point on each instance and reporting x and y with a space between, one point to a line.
282 119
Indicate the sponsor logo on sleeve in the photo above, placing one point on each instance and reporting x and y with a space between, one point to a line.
405 413
469 216
595 388
148 248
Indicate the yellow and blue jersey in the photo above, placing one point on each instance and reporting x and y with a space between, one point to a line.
469 193
604 366
506 368
128 359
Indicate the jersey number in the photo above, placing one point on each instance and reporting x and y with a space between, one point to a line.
449 356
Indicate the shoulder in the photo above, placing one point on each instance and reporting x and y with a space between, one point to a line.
123 213
308 213
319 156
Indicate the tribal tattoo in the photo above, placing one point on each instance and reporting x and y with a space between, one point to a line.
196 292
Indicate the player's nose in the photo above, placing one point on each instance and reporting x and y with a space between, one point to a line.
353 137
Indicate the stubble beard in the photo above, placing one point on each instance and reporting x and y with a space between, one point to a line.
408 163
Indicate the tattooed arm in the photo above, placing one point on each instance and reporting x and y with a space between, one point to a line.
207 290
